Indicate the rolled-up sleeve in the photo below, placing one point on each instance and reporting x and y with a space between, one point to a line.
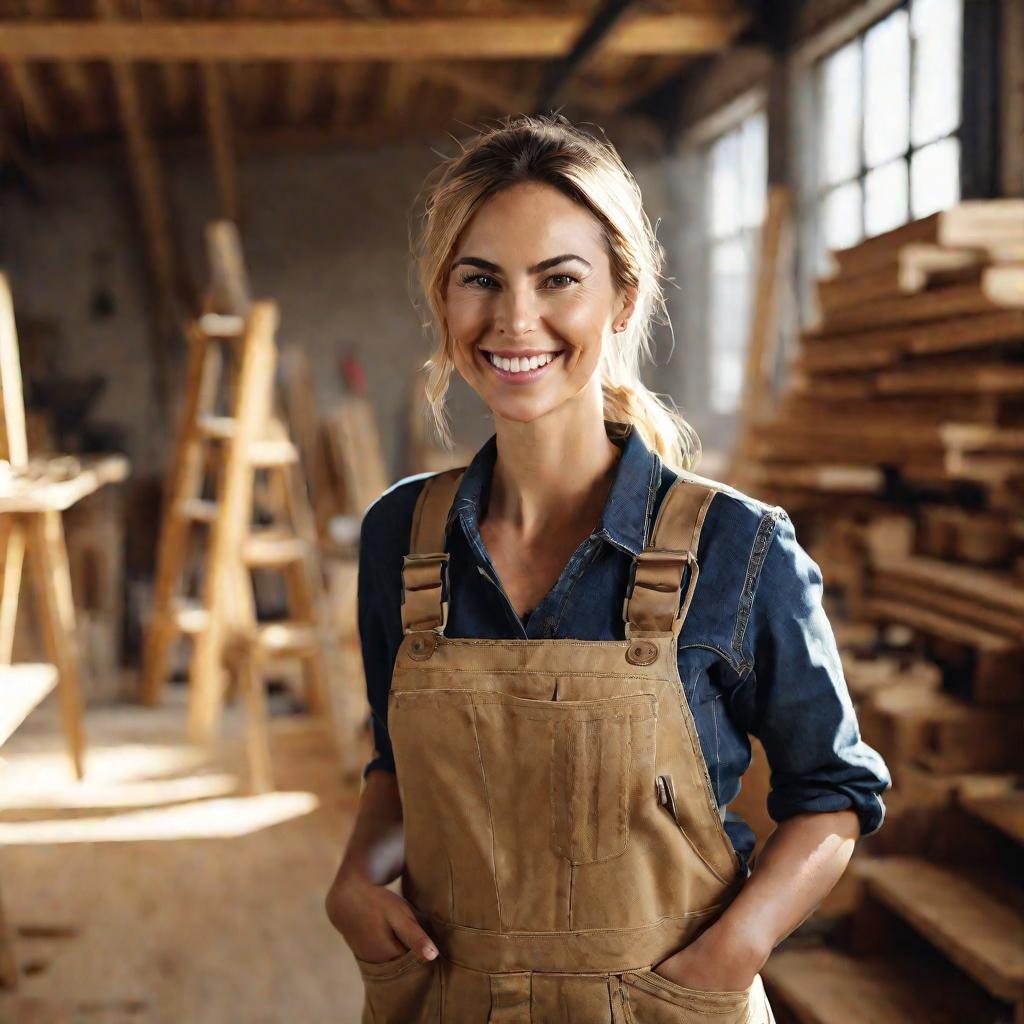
374 638
796 696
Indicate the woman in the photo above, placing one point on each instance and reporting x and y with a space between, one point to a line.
567 643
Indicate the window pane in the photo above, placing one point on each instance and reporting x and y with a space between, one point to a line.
887 89
731 280
724 168
936 27
754 168
935 177
842 216
885 198
841 114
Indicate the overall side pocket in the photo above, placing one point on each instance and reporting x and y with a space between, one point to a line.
403 990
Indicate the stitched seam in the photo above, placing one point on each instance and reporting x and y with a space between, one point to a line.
652 491
758 553
727 656
588 556
718 751
490 815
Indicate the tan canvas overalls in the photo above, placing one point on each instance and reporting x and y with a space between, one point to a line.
561 834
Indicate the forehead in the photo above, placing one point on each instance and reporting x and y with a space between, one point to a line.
533 220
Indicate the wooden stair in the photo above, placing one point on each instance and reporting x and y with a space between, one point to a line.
824 986
976 920
1004 811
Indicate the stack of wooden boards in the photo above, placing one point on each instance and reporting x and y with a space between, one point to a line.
899 451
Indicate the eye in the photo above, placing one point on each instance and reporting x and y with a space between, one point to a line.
559 281
480 280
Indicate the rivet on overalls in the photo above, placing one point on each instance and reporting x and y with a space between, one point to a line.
641 652
422 647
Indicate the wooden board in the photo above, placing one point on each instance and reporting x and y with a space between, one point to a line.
976 921
1003 810
55 485
823 986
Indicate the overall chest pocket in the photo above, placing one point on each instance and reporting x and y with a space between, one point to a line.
591 770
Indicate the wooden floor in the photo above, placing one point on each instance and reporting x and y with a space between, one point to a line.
156 890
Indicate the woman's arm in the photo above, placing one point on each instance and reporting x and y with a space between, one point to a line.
798 867
378 924
826 781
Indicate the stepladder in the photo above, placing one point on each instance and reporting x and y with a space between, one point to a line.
237 503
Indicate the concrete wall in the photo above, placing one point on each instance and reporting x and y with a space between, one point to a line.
325 232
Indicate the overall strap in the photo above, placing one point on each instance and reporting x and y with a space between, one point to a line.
425 568
652 604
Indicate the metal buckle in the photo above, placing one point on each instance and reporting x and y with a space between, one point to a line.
658 556
439 558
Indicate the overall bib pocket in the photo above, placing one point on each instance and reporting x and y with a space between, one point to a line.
652 999
401 989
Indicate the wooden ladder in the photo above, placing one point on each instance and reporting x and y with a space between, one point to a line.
250 446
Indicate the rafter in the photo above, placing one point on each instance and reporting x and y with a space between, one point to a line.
34 102
220 135
508 38
151 194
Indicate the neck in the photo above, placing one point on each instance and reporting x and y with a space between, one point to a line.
552 472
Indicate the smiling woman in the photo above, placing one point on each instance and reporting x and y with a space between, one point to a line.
534 242
567 643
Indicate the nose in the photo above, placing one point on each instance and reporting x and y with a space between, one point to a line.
516 314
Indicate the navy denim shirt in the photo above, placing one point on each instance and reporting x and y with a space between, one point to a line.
756 653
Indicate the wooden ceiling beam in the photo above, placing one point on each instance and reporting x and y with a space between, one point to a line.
219 132
540 36
38 112
598 32
154 214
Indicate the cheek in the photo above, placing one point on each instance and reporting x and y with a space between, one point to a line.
465 314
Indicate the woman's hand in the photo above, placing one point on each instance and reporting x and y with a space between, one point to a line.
713 962
377 923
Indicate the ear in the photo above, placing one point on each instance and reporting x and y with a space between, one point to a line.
627 305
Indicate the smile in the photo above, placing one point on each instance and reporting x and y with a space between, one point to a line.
521 370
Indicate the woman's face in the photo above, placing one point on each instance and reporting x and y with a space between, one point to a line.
531 287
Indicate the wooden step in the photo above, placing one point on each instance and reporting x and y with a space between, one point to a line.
976 920
288 638
1004 811
824 986
198 510
219 325
263 454
22 688
273 548
190 616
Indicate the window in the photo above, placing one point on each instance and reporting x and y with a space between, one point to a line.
888 115
737 169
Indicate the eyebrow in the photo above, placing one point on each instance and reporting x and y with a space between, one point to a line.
554 261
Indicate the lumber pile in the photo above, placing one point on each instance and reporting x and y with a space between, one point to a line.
898 448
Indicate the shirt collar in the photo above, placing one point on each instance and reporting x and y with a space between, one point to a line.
625 520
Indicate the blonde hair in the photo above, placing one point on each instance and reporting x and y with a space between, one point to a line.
549 149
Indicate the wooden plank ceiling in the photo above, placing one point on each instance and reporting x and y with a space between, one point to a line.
360 70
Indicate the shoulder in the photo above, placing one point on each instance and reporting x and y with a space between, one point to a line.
387 520
734 518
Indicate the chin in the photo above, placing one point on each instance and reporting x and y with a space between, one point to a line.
522 412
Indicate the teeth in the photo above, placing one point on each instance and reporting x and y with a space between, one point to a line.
518 365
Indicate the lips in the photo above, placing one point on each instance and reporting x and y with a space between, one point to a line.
522 376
